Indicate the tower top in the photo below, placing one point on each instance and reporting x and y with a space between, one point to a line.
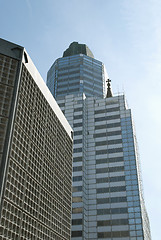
77 48
109 92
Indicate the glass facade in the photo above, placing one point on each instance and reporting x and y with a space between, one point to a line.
107 195
76 75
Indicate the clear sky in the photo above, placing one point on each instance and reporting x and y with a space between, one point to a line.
126 36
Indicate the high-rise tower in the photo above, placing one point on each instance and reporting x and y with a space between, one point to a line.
35 153
107 192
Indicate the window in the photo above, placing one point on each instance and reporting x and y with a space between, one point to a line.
112 169
76 233
107 110
108 160
76 169
111 211
110 125
107 118
111 189
77 141
77 188
77 199
77 159
76 221
113 222
77 124
111 200
110 179
77 178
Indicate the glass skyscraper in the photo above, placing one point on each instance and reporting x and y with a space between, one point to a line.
107 201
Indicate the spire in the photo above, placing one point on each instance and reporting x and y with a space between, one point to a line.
109 92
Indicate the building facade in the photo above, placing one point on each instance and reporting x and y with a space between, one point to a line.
107 196
35 153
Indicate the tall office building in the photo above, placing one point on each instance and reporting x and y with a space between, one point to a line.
35 153
107 193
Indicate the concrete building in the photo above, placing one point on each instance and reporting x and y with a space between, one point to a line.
35 153
107 192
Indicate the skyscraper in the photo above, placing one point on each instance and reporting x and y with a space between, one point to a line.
35 153
107 193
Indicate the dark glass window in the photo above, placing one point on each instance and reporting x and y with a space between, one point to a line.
77 188
77 178
111 189
77 150
112 169
77 159
110 142
117 234
104 134
107 110
77 141
113 222
111 211
108 160
110 179
107 118
76 169
76 221
78 117
76 133
78 124
61 105
115 150
76 233
78 109
111 200
110 125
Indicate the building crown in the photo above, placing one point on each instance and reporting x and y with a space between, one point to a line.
77 48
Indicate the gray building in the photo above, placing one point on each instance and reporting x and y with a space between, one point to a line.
107 198
35 153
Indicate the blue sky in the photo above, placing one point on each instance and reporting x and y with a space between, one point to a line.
126 36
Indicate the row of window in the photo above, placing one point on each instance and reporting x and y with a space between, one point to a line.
110 169
107 118
111 211
109 160
111 189
105 134
113 222
110 179
108 142
117 234
107 110
106 126
101 161
67 91
111 200
107 151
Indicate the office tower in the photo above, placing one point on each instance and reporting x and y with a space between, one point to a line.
107 194
35 151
